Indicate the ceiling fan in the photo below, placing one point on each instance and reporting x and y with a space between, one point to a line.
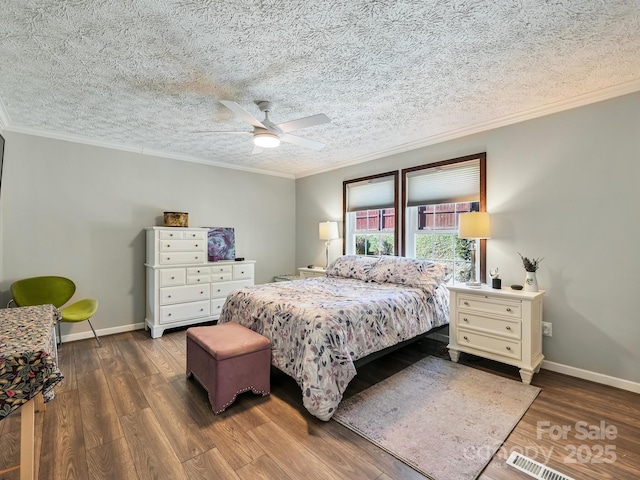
267 134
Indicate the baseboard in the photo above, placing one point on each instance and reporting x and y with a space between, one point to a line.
592 376
102 332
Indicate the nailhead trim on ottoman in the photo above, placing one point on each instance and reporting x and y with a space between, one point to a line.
227 360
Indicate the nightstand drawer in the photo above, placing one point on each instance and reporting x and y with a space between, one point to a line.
497 346
491 325
510 308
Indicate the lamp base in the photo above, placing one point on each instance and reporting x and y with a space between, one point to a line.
474 285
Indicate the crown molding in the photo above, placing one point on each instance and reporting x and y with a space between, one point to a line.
140 150
550 109
556 107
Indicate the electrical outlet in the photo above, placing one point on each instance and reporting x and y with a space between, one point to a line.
546 329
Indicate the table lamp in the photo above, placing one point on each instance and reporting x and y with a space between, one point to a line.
474 225
328 231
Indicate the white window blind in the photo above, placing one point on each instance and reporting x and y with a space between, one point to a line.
457 182
371 194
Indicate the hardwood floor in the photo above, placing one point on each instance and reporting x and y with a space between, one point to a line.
126 411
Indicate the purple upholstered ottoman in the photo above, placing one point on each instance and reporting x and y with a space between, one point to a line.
228 359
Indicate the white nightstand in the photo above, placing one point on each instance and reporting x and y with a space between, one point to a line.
306 272
503 325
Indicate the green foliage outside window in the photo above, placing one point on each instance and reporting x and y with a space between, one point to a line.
446 248
374 245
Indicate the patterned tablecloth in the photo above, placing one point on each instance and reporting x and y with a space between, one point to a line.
28 363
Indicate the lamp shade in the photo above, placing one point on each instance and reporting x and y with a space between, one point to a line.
328 230
474 225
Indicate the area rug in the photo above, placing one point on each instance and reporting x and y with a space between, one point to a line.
443 419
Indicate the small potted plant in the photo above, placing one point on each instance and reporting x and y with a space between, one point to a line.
531 267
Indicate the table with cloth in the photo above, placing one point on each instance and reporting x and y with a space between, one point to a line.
28 369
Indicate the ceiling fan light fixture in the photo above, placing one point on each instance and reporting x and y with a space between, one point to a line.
266 140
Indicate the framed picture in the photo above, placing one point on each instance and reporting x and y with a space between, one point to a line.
221 244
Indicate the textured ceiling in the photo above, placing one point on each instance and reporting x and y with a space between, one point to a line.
147 74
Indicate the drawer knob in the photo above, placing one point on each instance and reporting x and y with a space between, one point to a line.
508 327
169 314
197 258
466 303
242 272
465 337
198 280
465 319
201 293
221 278
508 309
173 278
509 348
169 246
168 296
202 309
218 290
168 258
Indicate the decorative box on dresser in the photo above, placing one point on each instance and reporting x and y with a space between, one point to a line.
183 288
500 324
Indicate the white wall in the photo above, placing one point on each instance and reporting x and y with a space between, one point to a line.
564 187
80 211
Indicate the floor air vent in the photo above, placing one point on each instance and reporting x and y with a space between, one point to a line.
534 469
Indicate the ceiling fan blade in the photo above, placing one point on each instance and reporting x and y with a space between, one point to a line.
305 122
222 131
242 113
303 142
256 149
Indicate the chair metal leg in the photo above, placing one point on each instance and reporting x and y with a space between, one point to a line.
94 332
59 335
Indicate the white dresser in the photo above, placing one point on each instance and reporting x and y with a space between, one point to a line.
183 288
503 325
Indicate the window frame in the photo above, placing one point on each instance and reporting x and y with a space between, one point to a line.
482 157
345 188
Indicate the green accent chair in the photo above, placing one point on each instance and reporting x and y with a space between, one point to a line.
56 291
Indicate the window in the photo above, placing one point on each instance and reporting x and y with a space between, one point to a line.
433 197
370 205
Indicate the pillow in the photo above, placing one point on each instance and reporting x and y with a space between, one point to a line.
352 266
413 272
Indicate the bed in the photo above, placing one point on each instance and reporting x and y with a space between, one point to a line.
321 327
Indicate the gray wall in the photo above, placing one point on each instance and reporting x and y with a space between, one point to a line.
565 187
80 211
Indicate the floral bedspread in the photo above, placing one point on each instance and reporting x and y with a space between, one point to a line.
319 326
27 355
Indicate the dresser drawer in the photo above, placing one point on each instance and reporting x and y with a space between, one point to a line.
243 272
184 311
222 273
171 234
195 271
196 279
499 326
180 258
182 245
221 290
509 308
187 293
172 277
497 346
